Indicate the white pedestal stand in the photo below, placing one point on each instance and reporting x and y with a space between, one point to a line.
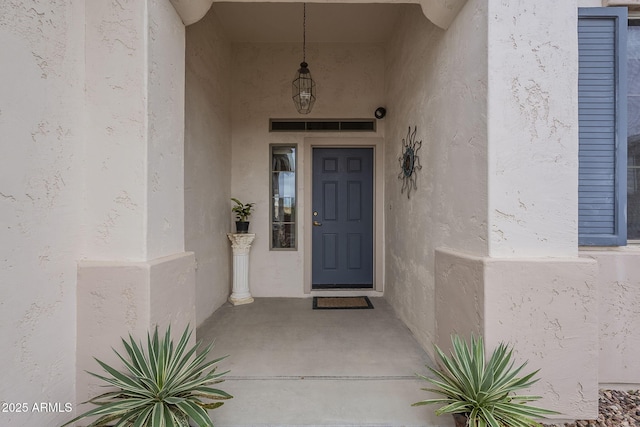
241 244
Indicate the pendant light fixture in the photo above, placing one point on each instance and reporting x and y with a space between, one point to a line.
304 88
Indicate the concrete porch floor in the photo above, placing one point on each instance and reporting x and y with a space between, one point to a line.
292 365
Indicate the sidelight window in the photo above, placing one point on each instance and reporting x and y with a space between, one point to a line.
283 197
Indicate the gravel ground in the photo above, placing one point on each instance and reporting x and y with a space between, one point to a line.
615 409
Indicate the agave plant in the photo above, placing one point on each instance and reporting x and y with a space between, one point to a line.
483 390
163 387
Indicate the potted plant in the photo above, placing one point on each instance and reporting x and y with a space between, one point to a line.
479 393
166 386
243 212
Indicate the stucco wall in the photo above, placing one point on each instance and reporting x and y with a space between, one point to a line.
165 121
41 138
128 298
442 12
207 161
116 116
350 83
435 80
134 272
135 123
488 128
618 297
545 302
459 296
547 308
532 122
618 287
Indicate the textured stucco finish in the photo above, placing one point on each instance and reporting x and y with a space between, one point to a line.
91 127
191 11
532 122
618 313
440 12
93 170
120 298
116 114
41 139
546 308
635 3
165 122
135 120
488 208
207 172
618 295
134 274
435 80
459 296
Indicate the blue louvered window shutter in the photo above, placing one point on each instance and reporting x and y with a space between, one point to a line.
602 126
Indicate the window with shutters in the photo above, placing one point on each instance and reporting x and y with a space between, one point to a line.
633 130
602 106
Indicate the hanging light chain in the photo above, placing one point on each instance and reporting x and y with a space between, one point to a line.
304 32
303 85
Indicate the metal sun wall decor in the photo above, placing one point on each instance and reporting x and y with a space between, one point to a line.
409 162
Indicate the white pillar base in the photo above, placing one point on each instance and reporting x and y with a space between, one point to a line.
241 244
239 301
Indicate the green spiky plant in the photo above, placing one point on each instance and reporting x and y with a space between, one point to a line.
163 387
482 390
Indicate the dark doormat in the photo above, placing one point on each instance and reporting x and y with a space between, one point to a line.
341 303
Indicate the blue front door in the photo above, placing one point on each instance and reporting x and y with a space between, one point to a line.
342 236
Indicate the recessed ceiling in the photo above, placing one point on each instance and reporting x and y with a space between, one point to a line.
326 22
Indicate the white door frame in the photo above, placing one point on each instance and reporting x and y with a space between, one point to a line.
305 214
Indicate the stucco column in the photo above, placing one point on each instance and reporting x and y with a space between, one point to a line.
134 273
241 245
532 123
532 290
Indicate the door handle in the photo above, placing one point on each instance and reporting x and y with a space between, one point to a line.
317 223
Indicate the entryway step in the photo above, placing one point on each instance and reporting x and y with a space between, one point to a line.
326 401
291 365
